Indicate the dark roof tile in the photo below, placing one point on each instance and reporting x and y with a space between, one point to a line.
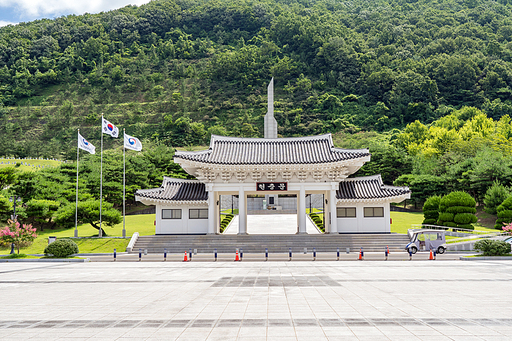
370 187
176 190
256 151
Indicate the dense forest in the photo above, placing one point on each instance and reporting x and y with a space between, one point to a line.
427 85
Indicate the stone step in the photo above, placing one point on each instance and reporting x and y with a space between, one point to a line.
274 243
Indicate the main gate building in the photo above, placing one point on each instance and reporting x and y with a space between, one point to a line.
271 166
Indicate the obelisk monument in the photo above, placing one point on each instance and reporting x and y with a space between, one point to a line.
271 133
270 121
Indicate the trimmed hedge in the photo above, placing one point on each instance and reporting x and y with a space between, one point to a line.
431 210
457 210
461 209
317 220
465 218
446 216
225 222
61 248
504 213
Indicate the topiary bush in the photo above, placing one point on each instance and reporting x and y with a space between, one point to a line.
431 210
61 248
504 213
225 222
457 210
492 247
495 196
317 220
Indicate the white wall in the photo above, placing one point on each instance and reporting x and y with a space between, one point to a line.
180 226
362 224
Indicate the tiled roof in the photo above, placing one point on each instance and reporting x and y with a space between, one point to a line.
368 187
175 190
254 151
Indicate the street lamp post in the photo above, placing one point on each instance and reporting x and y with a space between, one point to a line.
14 216
14 199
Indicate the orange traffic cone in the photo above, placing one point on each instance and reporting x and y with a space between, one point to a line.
361 254
431 257
185 258
237 257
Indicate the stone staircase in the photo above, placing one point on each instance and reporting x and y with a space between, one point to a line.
276 243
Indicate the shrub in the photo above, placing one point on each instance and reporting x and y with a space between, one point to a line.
504 213
446 216
225 222
61 248
464 218
457 210
461 209
495 196
431 210
493 247
465 226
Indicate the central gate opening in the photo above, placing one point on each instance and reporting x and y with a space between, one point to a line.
272 213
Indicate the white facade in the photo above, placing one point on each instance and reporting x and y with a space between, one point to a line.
362 224
183 225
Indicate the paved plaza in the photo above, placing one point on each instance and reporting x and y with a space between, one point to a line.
397 300
280 224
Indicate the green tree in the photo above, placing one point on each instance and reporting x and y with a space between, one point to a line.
88 213
5 208
41 211
494 196
7 176
504 214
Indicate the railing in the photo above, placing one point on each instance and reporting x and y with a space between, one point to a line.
462 235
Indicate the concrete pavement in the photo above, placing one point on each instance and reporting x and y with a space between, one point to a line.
280 300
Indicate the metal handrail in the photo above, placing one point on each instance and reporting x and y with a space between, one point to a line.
461 233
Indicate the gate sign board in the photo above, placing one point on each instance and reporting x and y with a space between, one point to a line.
271 186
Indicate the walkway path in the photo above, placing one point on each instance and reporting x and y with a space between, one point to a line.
271 224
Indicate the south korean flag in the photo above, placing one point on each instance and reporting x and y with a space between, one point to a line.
109 128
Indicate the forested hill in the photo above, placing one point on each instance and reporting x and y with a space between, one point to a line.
175 71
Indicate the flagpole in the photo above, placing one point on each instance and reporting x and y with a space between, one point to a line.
76 202
100 233
124 185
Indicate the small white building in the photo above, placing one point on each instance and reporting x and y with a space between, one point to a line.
271 166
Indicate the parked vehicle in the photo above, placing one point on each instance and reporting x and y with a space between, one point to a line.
424 240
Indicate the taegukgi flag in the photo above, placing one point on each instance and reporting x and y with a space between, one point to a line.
85 145
109 128
132 143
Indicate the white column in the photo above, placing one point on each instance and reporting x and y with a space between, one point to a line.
211 210
327 215
302 210
332 208
242 212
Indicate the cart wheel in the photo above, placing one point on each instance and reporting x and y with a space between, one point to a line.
441 250
414 250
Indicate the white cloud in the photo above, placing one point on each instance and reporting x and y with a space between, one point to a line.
50 8
5 23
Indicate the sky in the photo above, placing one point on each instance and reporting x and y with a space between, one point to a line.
14 11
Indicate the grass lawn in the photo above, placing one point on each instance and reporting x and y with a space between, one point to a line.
402 221
142 223
35 164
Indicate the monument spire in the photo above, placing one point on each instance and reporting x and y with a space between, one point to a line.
270 121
